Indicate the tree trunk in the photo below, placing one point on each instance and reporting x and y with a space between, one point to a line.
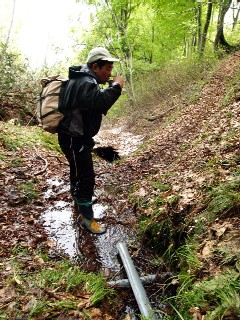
199 23
120 18
220 39
9 31
205 29
235 15
151 53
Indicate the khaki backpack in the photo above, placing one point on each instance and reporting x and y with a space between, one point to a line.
49 104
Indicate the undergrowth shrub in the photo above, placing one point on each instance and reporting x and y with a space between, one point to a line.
224 199
18 90
162 229
213 297
53 288
14 136
176 77
20 85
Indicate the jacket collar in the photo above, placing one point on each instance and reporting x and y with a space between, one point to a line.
78 71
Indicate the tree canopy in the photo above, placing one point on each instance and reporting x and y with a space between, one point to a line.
147 34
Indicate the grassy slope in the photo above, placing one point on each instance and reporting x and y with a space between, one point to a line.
184 187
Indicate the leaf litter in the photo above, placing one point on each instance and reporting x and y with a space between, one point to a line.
184 154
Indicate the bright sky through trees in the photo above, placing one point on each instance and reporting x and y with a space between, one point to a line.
39 25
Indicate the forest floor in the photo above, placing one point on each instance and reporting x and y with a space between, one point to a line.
185 153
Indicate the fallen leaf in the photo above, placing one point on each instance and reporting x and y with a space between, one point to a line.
141 193
219 230
94 313
7 294
39 260
207 248
30 305
83 304
195 311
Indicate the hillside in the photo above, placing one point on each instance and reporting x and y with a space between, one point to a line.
179 191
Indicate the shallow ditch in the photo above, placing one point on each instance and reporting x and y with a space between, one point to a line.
96 252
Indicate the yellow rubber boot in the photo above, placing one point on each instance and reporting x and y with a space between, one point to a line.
93 226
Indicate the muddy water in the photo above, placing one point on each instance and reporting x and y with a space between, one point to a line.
60 224
125 142
59 218
94 252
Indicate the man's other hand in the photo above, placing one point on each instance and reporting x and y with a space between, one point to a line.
119 80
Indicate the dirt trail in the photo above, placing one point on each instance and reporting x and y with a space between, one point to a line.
185 154
175 148
181 147
179 154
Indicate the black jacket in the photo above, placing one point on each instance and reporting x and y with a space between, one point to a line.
86 102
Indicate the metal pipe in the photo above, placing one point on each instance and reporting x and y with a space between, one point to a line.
136 284
124 283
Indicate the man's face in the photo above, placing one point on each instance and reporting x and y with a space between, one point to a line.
103 73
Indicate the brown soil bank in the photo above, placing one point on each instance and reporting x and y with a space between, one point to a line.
180 192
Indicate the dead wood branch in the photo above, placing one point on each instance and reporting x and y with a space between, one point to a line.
44 160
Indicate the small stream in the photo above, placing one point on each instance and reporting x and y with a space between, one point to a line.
59 223
58 219
94 252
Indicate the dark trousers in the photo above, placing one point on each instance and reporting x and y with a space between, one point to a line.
82 178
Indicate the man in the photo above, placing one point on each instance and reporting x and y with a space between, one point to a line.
87 103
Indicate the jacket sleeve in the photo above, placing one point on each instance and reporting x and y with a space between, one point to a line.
98 100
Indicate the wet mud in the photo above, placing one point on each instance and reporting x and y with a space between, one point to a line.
95 252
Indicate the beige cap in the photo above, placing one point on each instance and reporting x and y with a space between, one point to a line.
100 53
